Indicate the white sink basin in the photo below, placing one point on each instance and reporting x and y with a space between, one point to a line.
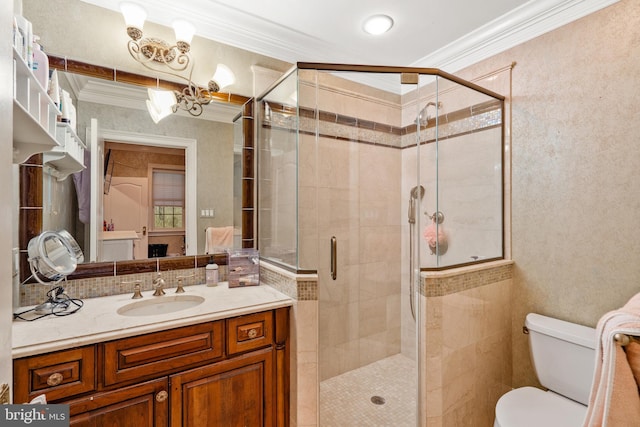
160 305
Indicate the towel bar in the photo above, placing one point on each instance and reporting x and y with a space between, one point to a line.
624 339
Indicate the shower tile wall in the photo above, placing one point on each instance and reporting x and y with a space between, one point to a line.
303 341
467 343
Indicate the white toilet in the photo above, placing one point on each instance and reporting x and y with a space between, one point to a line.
563 356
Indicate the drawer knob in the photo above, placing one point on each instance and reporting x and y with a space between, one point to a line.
55 379
252 333
162 396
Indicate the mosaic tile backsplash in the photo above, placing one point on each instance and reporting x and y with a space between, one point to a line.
34 293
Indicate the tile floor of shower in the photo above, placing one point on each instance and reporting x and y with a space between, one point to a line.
345 400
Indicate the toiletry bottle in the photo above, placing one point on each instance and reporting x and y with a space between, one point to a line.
18 39
65 99
54 90
211 273
40 64
29 45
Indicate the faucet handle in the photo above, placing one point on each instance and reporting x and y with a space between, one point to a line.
180 289
136 288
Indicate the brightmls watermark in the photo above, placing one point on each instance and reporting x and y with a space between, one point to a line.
34 415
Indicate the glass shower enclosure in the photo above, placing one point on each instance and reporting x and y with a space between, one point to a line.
372 177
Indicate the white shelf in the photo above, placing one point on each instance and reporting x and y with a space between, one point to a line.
35 126
34 123
68 157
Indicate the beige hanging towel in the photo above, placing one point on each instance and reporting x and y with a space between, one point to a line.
218 238
615 400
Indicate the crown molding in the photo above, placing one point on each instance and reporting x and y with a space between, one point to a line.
255 34
258 35
114 94
522 24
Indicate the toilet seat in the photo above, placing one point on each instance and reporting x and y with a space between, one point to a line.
532 407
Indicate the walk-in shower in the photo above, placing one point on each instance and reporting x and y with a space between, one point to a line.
374 164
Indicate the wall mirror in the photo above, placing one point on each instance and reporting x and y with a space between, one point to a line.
208 152
89 41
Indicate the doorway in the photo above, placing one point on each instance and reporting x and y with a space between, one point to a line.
188 146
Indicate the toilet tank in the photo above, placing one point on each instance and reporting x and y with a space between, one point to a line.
563 355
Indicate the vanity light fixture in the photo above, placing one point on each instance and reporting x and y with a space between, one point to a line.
377 24
160 56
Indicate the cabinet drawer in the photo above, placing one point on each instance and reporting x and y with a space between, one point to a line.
58 375
249 332
160 353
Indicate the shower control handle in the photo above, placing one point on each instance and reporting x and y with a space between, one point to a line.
334 258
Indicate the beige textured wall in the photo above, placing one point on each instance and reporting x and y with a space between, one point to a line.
575 170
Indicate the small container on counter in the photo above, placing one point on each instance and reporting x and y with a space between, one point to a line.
211 274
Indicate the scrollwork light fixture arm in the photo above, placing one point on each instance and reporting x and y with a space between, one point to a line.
159 56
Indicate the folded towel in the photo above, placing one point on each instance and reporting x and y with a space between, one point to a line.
218 238
614 399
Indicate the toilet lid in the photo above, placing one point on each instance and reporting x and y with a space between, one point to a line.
532 407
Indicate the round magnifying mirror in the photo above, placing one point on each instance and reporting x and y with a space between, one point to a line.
53 255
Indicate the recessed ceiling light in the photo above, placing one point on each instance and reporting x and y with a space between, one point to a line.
377 24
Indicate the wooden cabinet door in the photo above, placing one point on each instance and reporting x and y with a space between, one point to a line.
142 405
237 392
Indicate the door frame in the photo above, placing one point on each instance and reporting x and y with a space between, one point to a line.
190 174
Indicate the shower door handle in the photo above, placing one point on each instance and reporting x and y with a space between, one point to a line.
334 258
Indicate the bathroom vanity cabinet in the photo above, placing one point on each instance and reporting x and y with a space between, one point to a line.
231 372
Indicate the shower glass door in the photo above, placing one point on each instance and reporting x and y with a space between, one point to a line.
360 163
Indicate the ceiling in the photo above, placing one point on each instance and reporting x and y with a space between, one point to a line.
446 34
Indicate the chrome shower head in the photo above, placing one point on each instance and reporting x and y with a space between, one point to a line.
423 115
417 192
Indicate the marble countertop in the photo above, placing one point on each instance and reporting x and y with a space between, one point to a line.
119 235
98 320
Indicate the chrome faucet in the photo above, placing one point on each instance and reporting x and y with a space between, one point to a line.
158 285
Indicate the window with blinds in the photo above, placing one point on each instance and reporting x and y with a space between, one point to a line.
168 199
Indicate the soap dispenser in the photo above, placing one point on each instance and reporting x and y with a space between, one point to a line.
211 273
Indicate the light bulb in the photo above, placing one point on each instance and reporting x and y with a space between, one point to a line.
134 15
223 76
160 103
184 31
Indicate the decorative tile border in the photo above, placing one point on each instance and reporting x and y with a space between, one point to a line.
475 118
301 287
437 284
